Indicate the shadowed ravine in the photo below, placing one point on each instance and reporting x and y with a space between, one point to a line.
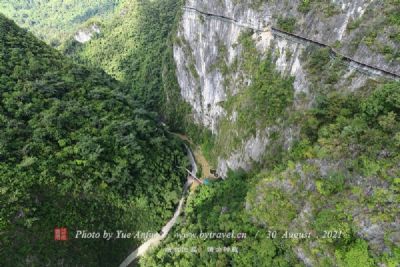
156 239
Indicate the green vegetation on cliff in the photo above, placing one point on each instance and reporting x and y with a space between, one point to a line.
342 172
257 106
220 208
338 180
76 150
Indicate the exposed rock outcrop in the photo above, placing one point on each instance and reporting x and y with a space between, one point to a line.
202 36
86 34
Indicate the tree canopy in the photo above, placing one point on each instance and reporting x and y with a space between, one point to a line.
76 150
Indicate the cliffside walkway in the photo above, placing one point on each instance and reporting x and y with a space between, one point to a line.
353 63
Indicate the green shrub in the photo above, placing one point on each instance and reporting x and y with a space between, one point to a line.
304 6
287 24
395 18
382 101
331 220
271 94
354 24
355 255
332 184
273 207
318 60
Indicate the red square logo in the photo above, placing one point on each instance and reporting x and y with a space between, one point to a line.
61 234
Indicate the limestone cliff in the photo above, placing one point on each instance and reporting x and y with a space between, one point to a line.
86 34
215 69
210 30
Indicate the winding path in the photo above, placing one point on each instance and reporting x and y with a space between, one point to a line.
156 239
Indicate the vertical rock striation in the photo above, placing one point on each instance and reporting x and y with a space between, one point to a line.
209 30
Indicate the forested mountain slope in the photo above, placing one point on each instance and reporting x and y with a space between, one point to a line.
133 43
54 21
134 47
77 151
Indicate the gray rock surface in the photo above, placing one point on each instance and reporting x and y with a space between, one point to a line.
205 87
86 34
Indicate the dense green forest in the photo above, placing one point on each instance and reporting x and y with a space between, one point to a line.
220 208
55 21
134 44
134 47
76 150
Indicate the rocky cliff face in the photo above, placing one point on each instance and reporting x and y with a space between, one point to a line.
209 29
86 34
213 68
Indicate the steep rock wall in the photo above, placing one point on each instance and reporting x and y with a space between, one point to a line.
202 38
211 69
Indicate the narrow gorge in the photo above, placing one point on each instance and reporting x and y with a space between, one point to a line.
291 109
